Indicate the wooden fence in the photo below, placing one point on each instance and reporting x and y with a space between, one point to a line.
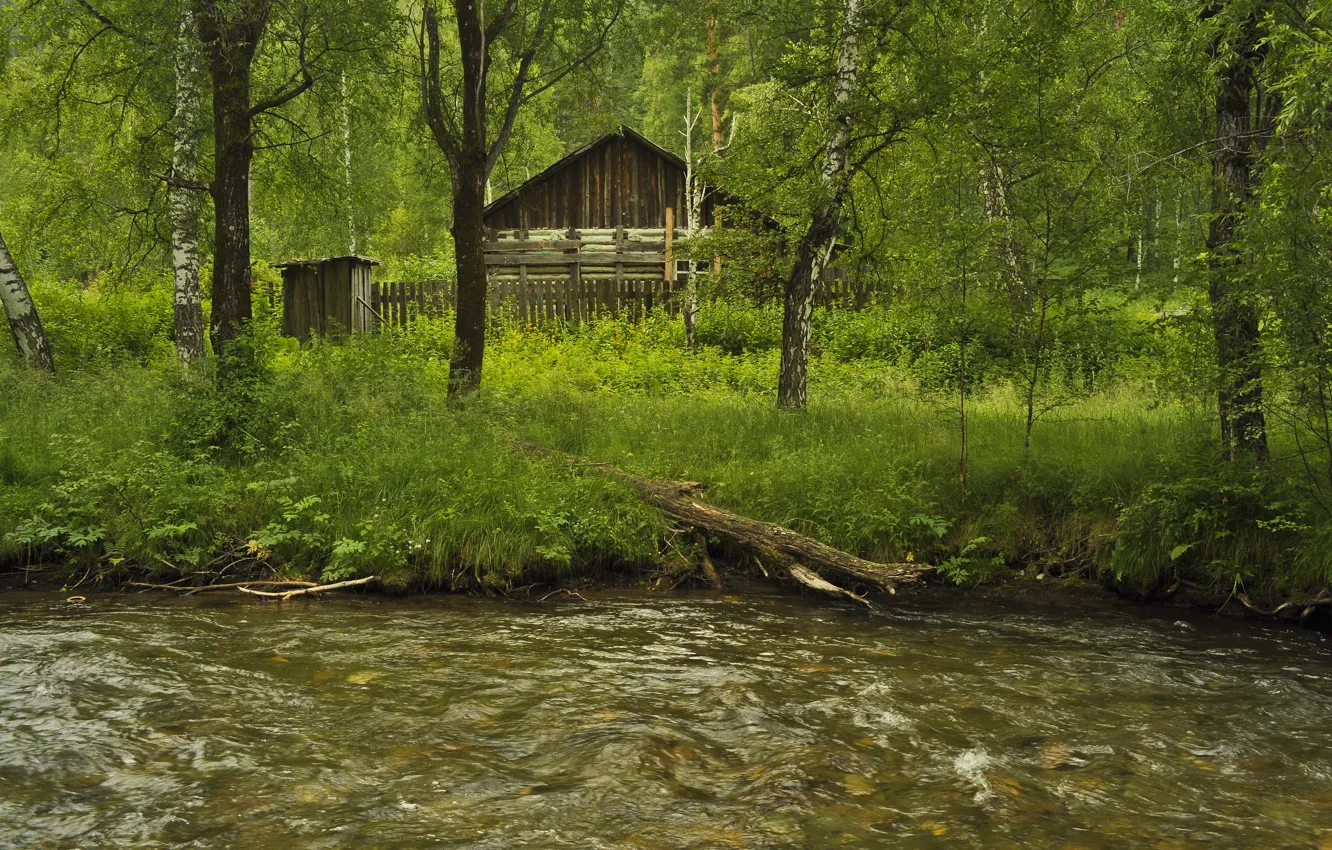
536 301
532 302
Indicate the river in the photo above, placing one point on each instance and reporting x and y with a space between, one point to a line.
646 721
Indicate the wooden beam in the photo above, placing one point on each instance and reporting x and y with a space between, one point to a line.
670 240
590 258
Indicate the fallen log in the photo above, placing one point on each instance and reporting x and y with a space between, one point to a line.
775 545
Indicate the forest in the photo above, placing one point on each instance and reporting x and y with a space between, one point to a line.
1010 292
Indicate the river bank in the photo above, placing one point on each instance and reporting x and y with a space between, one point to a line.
332 462
1072 595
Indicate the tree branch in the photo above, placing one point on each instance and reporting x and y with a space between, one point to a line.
432 98
501 22
516 92
306 82
181 183
112 25
556 76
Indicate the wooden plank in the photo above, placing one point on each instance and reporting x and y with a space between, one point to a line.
670 240
522 288
595 258
635 215
529 245
642 239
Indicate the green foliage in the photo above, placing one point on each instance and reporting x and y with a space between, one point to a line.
342 459
1228 522
104 322
968 565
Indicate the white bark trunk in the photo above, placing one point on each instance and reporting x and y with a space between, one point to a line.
188 301
816 246
29 335
693 208
347 167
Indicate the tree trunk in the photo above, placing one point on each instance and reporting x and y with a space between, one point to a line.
816 245
184 202
29 335
715 71
693 208
1234 316
461 126
231 46
347 165
469 192
798 307
469 173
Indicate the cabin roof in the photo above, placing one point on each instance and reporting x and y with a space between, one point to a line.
313 261
623 130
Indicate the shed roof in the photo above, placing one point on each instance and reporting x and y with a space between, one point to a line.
313 261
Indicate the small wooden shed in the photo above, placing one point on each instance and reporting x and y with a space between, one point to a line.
321 295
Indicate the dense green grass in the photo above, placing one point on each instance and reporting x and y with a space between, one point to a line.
343 459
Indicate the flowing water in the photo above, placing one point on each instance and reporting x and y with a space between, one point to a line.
638 721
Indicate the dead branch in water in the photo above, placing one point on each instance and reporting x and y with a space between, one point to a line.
318 588
773 544
190 590
1308 606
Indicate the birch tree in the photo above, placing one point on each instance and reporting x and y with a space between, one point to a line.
26 325
693 215
186 130
816 244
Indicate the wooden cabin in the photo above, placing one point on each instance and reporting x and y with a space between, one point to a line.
330 293
591 233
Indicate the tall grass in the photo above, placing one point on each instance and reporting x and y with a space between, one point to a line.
342 459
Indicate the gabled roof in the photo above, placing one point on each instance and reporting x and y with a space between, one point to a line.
627 132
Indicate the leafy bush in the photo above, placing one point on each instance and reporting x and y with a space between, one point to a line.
102 323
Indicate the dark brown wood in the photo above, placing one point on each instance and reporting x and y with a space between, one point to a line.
1234 165
230 35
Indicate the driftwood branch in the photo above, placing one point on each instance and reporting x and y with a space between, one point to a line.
709 571
189 589
817 583
318 588
797 555
1307 606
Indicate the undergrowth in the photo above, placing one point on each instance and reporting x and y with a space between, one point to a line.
342 459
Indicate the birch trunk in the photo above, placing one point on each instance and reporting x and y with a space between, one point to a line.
347 165
816 245
188 300
29 335
693 206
